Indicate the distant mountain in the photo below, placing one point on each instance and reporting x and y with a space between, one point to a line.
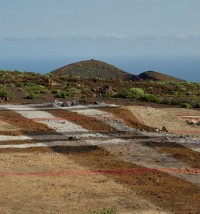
97 69
94 69
156 76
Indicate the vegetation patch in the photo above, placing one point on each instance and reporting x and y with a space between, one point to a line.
5 93
104 211
35 90
138 93
151 98
62 94
185 105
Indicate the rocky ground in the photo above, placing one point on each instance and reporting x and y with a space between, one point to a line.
56 158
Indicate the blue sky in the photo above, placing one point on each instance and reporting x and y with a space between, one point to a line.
42 35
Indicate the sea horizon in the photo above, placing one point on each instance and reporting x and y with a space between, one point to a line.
186 68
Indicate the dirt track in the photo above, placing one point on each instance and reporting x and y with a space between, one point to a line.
80 160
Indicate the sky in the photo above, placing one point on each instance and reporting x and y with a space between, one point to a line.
135 35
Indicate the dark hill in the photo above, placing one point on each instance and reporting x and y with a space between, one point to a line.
156 76
94 69
97 69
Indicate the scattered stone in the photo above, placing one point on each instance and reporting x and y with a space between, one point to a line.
164 129
67 104
97 103
168 138
73 138
75 103
57 102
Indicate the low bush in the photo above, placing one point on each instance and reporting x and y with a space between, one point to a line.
122 94
177 93
73 91
4 92
135 92
174 101
197 105
19 84
31 95
86 91
62 94
185 105
34 90
151 98
132 93
104 211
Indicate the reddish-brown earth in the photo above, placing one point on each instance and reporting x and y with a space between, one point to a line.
79 178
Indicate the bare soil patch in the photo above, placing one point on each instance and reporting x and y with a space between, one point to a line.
36 179
158 118
25 126
129 119
177 151
86 122
71 193
161 188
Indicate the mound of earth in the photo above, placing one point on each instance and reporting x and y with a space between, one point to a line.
93 69
156 76
158 118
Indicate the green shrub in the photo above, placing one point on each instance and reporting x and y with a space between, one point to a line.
62 94
104 211
132 93
151 98
185 105
176 93
73 91
19 84
4 92
108 95
86 91
174 101
135 92
37 89
31 95
122 94
34 90
197 105
55 91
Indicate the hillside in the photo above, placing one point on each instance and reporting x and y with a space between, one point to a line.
93 69
97 69
156 76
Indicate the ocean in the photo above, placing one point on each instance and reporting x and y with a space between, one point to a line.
187 68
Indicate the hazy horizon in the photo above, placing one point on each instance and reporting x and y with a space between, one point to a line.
183 68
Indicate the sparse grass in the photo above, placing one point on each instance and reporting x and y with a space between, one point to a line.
104 211
19 84
86 91
170 93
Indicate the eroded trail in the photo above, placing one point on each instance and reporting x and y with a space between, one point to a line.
86 159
